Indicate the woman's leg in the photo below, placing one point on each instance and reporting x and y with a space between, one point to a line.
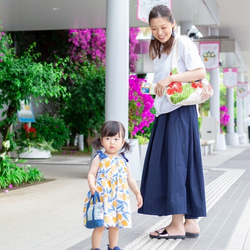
176 227
97 237
113 236
191 226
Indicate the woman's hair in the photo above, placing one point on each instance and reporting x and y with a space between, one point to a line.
111 128
155 46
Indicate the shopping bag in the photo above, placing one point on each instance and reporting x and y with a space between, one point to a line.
94 212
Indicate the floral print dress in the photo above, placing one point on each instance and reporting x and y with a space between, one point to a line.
111 181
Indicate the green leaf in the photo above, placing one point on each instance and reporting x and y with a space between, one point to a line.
187 90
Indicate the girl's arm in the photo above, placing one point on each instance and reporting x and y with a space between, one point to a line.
189 76
133 185
92 175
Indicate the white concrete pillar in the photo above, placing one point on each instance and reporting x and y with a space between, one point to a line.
240 129
215 108
231 137
117 74
117 61
215 100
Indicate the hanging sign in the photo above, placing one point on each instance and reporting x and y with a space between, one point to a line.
210 53
230 77
242 89
144 7
26 113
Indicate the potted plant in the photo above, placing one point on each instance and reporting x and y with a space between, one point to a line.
143 146
33 145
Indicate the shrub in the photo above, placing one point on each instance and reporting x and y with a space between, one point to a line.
13 175
141 110
52 129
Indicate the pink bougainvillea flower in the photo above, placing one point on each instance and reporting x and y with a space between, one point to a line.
174 87
140 105
10 186
90 44
224 109
224 117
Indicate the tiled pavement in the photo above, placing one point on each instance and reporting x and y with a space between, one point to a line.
49 215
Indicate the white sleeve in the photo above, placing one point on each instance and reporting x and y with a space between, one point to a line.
189 55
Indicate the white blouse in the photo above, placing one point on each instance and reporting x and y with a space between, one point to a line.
188 59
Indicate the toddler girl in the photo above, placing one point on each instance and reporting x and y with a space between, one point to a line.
109 175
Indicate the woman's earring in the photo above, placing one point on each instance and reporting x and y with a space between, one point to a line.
173 34
152 37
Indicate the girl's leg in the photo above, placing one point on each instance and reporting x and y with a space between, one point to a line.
113 236
96 237
191 226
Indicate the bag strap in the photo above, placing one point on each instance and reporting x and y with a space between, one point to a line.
175 53
94 197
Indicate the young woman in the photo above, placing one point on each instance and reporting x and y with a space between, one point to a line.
172 180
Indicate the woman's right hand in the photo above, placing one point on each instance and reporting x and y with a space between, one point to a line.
162 85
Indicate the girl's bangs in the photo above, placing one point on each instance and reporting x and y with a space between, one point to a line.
111 130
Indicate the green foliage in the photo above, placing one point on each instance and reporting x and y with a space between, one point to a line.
146 130
13 175
142 139
84 110
12 144
24 77
199 123
52 129
223 95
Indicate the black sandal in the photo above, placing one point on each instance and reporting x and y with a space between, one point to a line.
163 234
192 235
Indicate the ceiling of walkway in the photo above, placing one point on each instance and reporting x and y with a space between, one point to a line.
231 18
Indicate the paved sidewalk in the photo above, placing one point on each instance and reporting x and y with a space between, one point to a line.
49 215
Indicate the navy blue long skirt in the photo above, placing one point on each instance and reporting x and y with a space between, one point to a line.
172 179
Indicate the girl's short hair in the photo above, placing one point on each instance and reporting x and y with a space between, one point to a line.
111 128
155 47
